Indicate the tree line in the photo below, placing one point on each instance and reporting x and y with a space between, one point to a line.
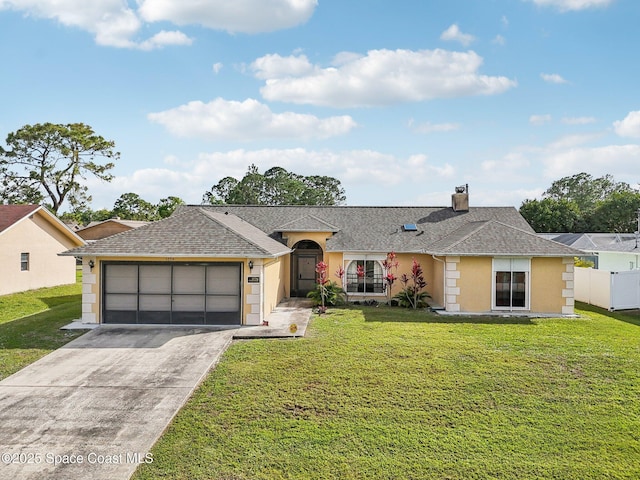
48 164
581 203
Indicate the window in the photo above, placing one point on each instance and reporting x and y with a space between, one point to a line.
511 278
369 282
24 262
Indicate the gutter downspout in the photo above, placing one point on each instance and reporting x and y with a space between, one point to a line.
444 279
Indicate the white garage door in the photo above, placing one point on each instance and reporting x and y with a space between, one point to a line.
188 294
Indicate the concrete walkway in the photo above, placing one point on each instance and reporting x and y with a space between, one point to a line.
106 397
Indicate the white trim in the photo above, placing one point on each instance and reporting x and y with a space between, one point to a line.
527 272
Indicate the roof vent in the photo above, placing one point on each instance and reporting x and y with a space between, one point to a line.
460 199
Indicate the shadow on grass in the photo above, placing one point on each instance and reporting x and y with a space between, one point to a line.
627 316
404 315
41 330
61 300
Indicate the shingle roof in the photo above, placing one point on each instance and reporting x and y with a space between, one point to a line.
495 238
379 229
307 223
10 214
191 232
126 223
256 231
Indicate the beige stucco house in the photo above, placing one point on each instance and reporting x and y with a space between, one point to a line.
232 264
30 240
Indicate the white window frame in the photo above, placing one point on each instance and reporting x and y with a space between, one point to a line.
348 258
511 264
25 261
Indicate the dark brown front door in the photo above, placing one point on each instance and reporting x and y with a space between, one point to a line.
306 273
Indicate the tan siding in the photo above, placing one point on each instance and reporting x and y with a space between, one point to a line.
475 284
547 285
43 241
275 280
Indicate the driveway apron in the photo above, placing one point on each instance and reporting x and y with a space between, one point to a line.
94 408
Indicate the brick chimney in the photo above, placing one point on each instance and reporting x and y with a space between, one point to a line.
460 199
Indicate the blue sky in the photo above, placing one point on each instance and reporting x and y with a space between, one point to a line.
401 101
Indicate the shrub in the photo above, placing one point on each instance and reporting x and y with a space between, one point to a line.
332 293
409 298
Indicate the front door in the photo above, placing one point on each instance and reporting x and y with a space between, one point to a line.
306 273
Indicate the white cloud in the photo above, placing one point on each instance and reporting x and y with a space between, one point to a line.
217 67
571 141
553 78
630 126
429 127
505 21
115 23
382 77
578 120
572 5
621 161
353 167
454 34
165 38
538 120
243 16
499 40
247 120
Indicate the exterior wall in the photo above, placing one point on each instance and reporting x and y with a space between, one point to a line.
259 298
43 241
276 279
436 282
102 231
552 285
469 284
618 262
319 237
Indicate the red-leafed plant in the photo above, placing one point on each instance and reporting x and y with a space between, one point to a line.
390 266
413 294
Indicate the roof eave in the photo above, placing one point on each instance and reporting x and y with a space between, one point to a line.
169 255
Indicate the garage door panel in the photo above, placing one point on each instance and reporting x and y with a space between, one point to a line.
158 303
188 303
221 280
120 317
188 279
116 301
155 279
154 317
220 303
189 318
121 279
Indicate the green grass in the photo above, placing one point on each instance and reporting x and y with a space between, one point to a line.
30 324
389 393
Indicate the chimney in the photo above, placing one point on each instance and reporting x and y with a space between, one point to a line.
460 199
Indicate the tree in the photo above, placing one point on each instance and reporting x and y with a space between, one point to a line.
550 215
168 205
49 161
581 203
584 190
617 213
130 206
276 186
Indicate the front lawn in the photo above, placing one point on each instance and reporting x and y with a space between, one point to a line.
389 393
30 324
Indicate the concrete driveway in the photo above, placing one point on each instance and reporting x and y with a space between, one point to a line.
94 408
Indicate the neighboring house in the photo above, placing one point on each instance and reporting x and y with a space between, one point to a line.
614 252
232 264
30 240
106 228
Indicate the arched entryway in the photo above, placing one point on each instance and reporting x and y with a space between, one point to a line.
305 257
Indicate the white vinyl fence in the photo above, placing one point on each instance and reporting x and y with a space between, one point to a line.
610 290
